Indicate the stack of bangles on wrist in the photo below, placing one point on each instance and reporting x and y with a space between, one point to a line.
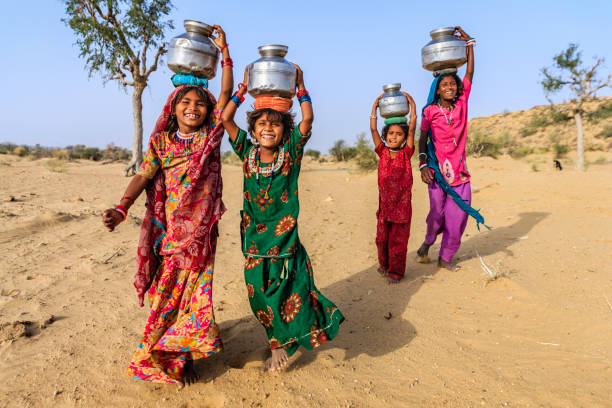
303 96
227 62
121 210
238 99
422 163
470 41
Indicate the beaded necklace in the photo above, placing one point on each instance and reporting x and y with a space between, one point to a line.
268 171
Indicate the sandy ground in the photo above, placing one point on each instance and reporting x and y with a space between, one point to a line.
540 337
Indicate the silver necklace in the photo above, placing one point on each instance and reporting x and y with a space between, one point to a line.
186 135
265 171
449 120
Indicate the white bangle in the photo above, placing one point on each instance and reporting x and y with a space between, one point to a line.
373 117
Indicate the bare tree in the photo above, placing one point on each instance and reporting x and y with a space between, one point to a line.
116 37
567 70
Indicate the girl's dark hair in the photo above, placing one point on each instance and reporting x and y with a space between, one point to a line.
285 118
457 81
172 125
403 126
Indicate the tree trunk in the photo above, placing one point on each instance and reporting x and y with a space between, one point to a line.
134 164
579 142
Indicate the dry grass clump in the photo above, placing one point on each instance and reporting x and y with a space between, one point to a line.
56 165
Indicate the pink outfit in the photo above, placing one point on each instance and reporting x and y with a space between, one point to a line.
449 134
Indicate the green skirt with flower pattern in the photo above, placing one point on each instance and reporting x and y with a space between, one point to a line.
286 302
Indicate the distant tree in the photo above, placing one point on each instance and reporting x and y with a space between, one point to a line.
338 150
567 71
116 37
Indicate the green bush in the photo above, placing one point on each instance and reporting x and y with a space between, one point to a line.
7 148
315 154
558 116
606 133
521 152
365 157
537 122
341 151
560 150
480 145
602 112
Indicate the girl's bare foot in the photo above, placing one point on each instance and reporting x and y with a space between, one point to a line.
391 280
190 375
381 271
451 266
422 252
277 361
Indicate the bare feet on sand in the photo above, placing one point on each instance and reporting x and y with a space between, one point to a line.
391 280
190 375
422 256
277 361
451 266
381 271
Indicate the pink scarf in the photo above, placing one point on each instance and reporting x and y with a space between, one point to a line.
197 213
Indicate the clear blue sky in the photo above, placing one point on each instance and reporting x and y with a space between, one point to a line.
347 49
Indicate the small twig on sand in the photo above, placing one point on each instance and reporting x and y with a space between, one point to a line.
420 277
608 301
112 256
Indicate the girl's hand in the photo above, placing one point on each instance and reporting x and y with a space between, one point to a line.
411 103
426 175
219 40
300 77
111 218
376 102
460 34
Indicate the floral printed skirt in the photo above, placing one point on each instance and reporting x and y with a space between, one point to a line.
181 324
286 302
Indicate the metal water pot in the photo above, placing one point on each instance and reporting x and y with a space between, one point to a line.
393 103
194 52
272 73
444 51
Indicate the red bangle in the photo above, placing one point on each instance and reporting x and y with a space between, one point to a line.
121 210
241 85
226 62
240 97
301 93
130 199
224 47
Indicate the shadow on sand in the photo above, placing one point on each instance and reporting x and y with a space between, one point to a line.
366 330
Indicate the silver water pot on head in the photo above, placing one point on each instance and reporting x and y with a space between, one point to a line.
444 51
393 103
194 52
272 73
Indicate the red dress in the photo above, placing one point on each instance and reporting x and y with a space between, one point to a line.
394 209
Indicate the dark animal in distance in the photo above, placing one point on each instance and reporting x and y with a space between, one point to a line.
558 165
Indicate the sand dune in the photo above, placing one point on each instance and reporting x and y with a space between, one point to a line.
539 337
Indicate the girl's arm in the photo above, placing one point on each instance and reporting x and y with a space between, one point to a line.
306 106
230 109
111 217
469 71
227 73
413 121
425 171
373 123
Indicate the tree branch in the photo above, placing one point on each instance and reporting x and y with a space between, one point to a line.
160 51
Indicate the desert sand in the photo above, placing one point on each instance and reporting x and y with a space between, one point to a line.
538 337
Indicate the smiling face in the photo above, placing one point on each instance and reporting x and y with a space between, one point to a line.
395 137
447 89
191 111
268 132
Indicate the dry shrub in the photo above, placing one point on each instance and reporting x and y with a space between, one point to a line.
56 166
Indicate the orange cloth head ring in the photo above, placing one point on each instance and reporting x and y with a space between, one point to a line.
273 102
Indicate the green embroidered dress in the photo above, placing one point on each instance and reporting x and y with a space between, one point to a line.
277 271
